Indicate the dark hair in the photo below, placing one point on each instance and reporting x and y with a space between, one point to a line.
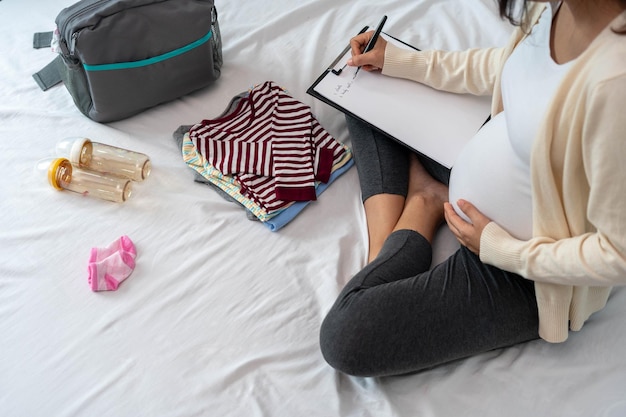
515 12
509 10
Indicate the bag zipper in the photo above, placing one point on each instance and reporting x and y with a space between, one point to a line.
74 35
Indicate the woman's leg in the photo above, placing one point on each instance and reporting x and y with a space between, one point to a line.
382 165
382 212
423 206
396 316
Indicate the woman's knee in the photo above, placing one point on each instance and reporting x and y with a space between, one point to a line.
340 345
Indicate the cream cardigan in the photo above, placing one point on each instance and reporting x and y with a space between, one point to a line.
578 172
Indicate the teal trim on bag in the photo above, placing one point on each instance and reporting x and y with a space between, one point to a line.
150 61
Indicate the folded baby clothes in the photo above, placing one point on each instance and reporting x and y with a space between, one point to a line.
272 144
267 152
229 185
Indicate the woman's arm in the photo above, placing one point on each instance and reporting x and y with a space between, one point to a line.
472 71
590 259
598 257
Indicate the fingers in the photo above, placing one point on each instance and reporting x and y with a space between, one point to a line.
455 222
478 219
372 60
468 234
359 42
459 227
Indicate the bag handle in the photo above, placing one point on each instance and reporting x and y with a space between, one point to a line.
49 75
42 40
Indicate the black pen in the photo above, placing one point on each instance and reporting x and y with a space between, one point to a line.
372 42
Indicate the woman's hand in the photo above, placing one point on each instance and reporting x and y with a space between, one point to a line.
466 233
371 61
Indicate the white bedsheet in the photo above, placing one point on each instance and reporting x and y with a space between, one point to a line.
221 316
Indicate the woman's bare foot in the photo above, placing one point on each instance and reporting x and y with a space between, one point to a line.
423 185
423 207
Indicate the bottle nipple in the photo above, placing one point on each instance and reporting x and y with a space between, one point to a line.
75 150
57 172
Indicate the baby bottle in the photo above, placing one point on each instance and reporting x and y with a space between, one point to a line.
106 159
62 175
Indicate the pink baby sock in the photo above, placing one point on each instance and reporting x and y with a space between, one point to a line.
109 266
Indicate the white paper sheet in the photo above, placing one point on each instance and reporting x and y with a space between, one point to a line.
434 123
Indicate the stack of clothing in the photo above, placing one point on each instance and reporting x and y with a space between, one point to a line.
267 152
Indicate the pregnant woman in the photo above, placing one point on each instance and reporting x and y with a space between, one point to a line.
536 198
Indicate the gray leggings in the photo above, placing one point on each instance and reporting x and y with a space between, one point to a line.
397 315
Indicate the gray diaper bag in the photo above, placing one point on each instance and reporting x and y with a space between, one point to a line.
120 57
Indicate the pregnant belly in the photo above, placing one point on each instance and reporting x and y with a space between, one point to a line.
489 174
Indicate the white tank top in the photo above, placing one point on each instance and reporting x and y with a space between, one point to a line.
493 170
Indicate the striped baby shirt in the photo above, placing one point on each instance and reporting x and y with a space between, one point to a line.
271 144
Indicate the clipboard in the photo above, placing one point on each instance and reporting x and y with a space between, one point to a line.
434 123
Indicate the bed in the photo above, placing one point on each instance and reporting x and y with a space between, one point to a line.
221 315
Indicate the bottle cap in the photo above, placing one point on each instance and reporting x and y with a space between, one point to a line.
46 169
52 172
71 148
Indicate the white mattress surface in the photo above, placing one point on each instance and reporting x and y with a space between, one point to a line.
221 316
